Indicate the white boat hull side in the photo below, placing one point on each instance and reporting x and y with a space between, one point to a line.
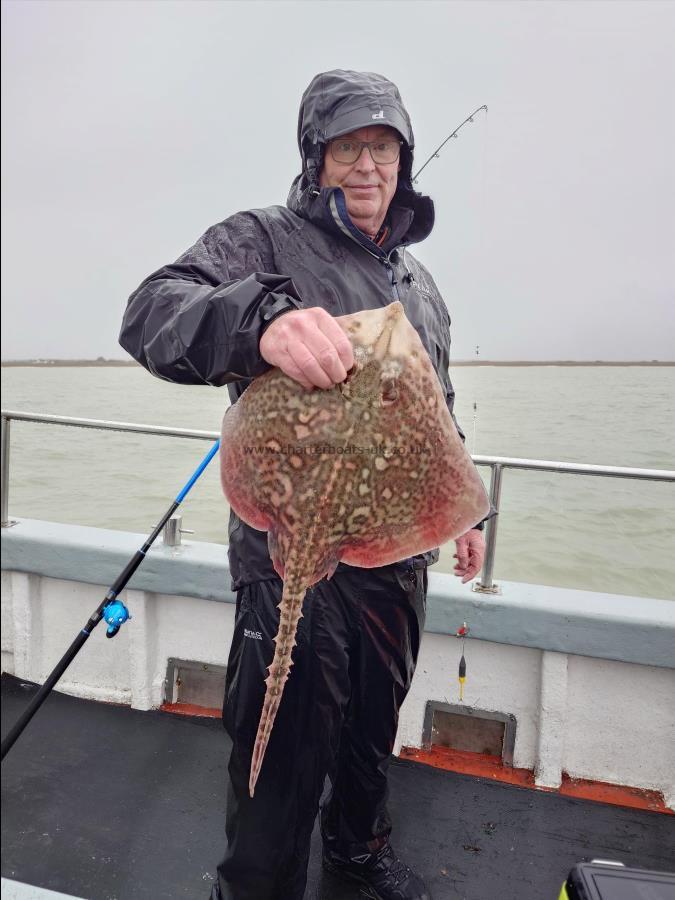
534 652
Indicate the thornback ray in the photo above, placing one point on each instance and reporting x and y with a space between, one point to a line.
367 473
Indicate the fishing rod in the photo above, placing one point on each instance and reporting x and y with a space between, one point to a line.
454 134
112 610
435 155
464 630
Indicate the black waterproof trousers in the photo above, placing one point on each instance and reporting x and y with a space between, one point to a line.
357 648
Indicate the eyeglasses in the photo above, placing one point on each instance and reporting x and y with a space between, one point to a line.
382 151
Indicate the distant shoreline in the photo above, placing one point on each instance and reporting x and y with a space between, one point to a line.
116 363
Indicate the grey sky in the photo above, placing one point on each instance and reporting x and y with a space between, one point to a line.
130 127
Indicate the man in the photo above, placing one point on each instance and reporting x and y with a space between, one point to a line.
261 289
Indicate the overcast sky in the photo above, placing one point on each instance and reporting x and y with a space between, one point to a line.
130 127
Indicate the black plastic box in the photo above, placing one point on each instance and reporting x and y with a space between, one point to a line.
606 881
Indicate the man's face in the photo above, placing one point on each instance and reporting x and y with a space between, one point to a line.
368 186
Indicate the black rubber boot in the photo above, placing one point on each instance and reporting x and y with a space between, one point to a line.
381 874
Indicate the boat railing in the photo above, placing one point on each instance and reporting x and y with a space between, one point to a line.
496 464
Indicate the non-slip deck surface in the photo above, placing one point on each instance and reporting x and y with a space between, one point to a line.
109 803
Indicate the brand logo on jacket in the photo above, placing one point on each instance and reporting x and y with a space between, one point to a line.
378 115
255 635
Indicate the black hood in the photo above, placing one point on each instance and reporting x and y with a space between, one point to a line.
340 101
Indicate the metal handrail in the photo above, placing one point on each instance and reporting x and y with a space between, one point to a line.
106 425
547 465
497 464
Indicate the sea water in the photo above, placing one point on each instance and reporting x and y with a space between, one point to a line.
605 534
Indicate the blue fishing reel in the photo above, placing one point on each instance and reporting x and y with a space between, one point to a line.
115 614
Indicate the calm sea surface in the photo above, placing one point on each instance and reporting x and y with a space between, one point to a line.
604 534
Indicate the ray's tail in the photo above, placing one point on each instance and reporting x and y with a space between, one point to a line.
290 610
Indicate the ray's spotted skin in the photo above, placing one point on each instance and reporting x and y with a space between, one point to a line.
368 472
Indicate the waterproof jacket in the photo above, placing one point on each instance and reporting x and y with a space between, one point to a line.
200 319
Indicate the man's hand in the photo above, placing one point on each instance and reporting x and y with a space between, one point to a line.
309 346
470 554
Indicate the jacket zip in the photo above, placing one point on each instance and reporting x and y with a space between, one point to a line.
384 258
392 277
386 262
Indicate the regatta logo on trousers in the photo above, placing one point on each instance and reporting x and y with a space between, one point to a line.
256 635
378 115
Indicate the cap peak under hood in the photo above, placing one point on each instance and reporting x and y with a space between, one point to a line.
340 101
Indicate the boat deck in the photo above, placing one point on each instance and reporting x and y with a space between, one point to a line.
105 802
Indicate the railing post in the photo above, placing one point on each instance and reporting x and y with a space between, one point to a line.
486 584
4 471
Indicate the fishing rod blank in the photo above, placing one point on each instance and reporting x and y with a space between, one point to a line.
454 134
111 609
